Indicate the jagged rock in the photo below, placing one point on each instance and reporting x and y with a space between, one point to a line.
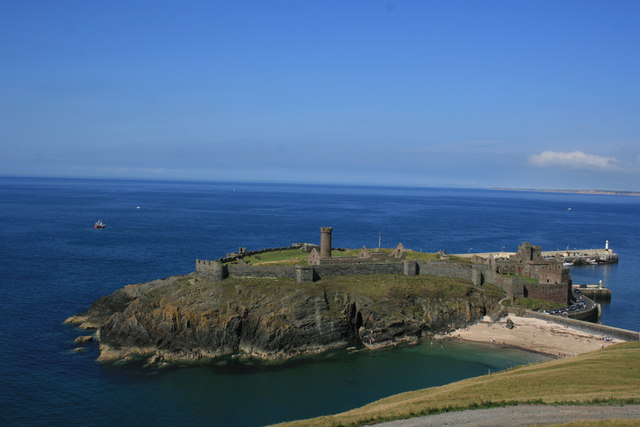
75 320
83 339
181 319
510 324
89 325
79 349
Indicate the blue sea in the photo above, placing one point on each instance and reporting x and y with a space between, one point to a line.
54 264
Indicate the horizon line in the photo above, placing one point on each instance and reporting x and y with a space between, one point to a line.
593 191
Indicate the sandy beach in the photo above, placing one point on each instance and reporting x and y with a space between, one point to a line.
534 335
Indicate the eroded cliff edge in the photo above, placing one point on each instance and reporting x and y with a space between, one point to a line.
188 318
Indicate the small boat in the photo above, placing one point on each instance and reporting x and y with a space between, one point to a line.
99 224
567 264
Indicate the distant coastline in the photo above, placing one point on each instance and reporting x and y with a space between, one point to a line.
311 184
601 192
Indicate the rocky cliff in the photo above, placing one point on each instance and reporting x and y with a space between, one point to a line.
184 317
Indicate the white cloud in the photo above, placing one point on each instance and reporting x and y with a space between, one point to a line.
574 160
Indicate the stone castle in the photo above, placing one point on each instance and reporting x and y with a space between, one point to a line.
525 274
529 274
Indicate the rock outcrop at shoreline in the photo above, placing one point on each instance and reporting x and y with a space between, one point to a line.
188 318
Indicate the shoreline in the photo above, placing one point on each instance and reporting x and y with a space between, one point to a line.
528 334
533 335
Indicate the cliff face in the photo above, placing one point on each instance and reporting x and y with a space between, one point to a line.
185 317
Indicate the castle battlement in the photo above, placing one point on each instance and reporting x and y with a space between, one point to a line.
524 274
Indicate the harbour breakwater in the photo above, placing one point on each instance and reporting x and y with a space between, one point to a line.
595 292
595 328
604 255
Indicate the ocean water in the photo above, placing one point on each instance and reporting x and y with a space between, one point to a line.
54 264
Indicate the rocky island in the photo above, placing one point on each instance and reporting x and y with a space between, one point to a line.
284 302
187 318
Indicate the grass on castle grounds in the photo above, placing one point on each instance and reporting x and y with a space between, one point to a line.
534 304
607 376
296 256
405 288
285 256
384 288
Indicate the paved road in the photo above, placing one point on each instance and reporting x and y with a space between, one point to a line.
522 415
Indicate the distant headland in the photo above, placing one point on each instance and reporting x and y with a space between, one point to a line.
600 192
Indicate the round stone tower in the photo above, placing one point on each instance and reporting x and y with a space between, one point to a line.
325 242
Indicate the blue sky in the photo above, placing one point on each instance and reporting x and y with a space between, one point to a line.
513 93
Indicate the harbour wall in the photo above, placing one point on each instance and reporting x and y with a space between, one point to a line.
575 256
594 292
596 328
590 315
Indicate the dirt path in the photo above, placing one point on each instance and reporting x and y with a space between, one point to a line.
523 415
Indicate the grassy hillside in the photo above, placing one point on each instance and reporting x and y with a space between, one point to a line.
609 375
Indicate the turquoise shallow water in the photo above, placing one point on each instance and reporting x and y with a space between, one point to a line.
233 393
54 265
